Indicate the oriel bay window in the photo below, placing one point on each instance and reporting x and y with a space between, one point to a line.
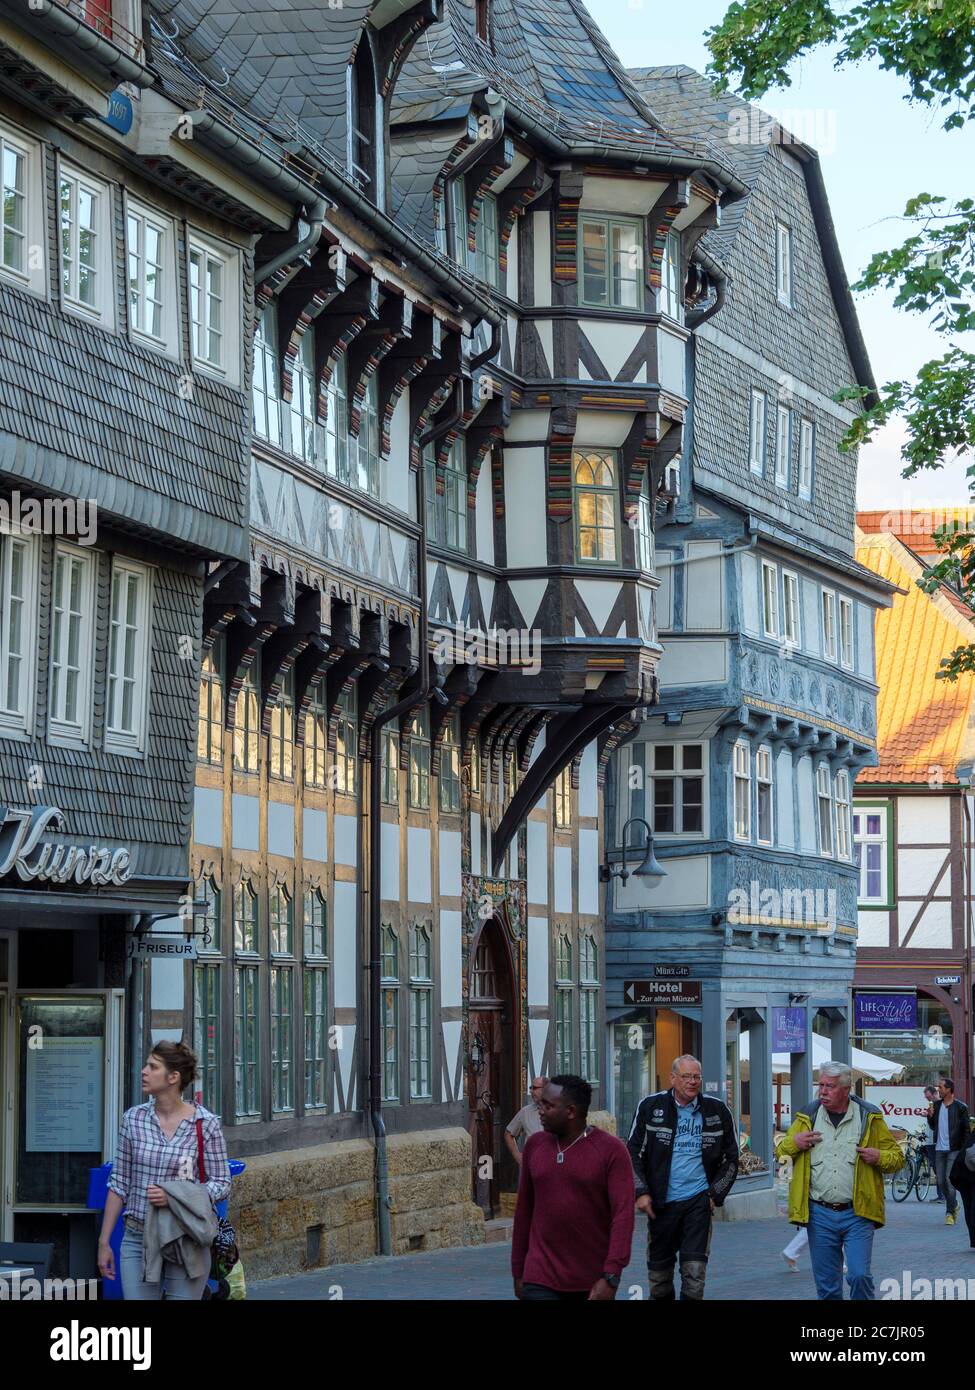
18 630
281 739
450 764
588 1007
421 1012
418 748
209 735
346 733
595 495
671 287
315 1003
674 782
390 988
246 721
316 736
611 256
487 266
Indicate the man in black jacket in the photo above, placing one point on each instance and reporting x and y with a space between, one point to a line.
685 1159
948 1118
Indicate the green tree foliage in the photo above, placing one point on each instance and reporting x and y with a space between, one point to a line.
931 47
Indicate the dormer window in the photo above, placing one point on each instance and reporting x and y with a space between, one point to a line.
362 106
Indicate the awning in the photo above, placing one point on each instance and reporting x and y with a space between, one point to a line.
866 1064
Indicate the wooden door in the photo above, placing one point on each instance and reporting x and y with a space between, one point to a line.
490 1092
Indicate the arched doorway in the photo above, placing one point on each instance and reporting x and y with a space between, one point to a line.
491 1058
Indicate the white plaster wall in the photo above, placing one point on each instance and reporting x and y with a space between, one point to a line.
314 835
933 931
748 581
449 842
687 883
344 940
418 864
389 869
665 594
807 813
524 506
873 928
450 960
563 879
693 661
703 587
543 257
538 960
281 829
785 805
599 596
208 816
245 814
923 820
588 789
345 846
865 636
589 871
537 861
917 870
812 621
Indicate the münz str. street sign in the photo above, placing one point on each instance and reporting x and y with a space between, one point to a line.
662 994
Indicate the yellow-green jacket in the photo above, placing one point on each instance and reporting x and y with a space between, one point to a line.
868 1179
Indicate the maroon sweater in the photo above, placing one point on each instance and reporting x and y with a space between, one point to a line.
573 1221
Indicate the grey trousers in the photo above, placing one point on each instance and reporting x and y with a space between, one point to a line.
943 1161
174 1280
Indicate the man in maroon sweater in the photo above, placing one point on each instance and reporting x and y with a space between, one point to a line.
575 1214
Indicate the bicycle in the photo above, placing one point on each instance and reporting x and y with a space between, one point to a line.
916 1173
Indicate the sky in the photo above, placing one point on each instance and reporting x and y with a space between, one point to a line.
876 151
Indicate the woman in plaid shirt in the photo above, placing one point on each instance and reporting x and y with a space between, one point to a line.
158 1143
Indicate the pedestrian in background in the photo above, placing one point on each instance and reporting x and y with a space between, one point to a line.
685 1159
949 1121
963 1178
840 1148
527 1122
931 1095
573 1232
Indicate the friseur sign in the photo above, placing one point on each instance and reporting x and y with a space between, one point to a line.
24 851
663 994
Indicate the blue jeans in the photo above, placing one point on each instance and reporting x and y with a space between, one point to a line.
135 1288
831 1235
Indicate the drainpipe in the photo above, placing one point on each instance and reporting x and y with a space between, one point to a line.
303 248
375 848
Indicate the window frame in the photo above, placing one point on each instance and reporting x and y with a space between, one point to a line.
791 632
118 740
783 447
421 1012
316 964
884 810
228 257
210 681
758 432
418 741
770 601
671 300
807 458
829 628
450 777
784 269
316 747
742 791
843 814
562 799
390 1024
19 720
31 277
345 760
61 730
825 802
589 1005
609 221
102 310
168 342
846 649
678 774
247 735
281 733
565 988
609 457
764 793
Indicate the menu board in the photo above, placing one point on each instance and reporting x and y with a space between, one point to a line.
65 1095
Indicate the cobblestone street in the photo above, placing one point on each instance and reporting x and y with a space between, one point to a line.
746 1263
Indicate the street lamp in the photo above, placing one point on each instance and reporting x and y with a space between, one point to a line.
649 868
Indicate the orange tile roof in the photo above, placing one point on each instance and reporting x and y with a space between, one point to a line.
916 528
922 723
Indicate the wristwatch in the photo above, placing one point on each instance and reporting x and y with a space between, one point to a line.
613 1280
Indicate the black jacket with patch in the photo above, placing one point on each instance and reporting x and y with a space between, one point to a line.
651 1146
958 1127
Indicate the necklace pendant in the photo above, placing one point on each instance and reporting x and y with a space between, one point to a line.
560 1159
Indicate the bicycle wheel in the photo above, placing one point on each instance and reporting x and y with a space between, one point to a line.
902 1182
922 1184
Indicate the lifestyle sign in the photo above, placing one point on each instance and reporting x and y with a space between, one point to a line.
897 1011
25 852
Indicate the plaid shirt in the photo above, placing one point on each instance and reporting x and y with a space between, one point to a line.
144 1157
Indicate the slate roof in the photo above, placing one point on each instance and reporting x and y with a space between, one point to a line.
922 722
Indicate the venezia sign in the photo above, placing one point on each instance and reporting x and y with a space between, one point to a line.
24 851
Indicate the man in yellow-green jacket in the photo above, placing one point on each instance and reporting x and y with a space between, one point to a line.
840 1148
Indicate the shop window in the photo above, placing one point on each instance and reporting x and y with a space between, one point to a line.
346 735
206 1032
595 497
611 259
824 802
450 764
390 988
924 1051
72 604
645 1044
209 728
281 746
418 745
247 1056
315 1000
246 723
871 838
421 1013
316 735
129 643
18 630
743 791
564 989
588 1006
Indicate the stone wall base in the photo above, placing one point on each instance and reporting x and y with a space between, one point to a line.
749 1206
309 1208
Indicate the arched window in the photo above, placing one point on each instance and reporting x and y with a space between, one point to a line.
596 506
564 985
